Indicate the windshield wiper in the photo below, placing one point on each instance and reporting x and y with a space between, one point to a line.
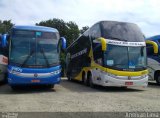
25 61
44 55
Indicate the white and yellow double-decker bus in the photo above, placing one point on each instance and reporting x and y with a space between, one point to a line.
110 53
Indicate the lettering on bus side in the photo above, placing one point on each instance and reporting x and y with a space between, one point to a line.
126 43
79 53
16 69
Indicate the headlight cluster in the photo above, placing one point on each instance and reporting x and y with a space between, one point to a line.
144 76
56 72
111 75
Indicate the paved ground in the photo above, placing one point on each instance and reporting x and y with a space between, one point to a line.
73 96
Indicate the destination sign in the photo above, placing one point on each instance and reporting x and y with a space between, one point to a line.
124 43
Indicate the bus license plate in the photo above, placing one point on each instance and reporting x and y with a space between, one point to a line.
35 81
128 83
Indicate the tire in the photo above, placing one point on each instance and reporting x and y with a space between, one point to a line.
6 77
86 81
91 81
158 79
14 87
69 77
83 78
50 86
4 80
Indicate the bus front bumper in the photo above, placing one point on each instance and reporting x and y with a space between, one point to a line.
33 81
123 82
34 76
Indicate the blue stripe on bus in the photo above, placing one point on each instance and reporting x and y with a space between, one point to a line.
36 70
14 79
156 58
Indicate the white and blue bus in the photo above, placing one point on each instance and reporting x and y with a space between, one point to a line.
153 54
34 56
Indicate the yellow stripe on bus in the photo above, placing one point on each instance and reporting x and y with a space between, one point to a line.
108 70
120 73
111 71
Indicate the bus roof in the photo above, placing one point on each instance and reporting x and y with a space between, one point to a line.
153 37
112 26
112 22
35 28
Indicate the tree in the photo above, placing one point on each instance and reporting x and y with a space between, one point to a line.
84 29
5 26
72 32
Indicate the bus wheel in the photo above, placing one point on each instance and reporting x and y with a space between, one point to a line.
86 81
91 84
14 87
50 86
158 79
69 78
83 77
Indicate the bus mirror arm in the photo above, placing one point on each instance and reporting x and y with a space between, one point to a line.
103 43
155 46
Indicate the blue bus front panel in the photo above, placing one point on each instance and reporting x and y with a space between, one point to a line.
21 76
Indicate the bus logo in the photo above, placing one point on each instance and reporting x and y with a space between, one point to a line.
129 77
35 75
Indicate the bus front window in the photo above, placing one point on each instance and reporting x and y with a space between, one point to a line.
125 58
21 49
34 49
47 52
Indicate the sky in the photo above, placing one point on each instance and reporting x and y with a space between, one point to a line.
144 13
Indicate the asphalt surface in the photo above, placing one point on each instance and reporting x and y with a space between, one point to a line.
75 97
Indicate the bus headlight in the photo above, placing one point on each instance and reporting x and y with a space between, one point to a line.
56 72
144 76
111 75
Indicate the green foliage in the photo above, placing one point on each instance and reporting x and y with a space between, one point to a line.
5 26
84 29
72 32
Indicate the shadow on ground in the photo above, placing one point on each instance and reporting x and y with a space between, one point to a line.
72 86
153 85
6 89
80 87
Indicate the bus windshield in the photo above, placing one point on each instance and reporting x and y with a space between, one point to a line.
125 58
34 48
122 31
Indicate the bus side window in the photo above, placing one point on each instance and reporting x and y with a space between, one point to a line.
150 50
98 54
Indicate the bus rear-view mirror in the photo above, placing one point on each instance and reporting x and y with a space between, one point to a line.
155 46
63 41
4 40
62 44
103 43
